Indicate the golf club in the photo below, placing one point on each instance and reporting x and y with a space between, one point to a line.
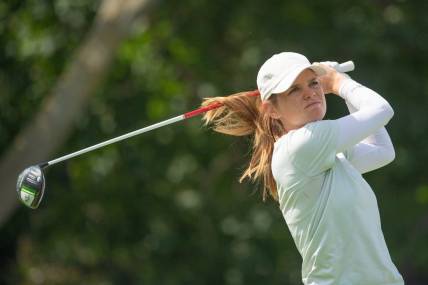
31 181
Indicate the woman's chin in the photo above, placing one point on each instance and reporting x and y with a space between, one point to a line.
317 115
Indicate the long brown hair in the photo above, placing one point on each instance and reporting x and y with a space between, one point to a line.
240 115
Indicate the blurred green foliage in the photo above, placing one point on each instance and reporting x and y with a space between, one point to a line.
166 207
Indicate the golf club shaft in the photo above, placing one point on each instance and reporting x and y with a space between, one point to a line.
344 67
133 133
116 139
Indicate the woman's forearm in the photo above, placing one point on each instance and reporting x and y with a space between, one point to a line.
358 96
369 113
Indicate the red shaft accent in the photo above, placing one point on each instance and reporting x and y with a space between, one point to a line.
201 110
213 106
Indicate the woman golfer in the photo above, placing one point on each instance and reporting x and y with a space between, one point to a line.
313 167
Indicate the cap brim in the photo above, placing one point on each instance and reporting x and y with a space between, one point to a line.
288 81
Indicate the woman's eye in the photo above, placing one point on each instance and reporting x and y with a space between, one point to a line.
314 83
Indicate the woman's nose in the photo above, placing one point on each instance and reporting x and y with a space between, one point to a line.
309 93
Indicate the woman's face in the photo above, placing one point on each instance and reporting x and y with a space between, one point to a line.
302 103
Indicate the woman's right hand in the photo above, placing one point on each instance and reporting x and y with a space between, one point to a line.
332 80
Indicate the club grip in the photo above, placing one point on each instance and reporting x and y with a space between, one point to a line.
346 66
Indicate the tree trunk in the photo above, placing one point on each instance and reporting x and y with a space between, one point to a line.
47 131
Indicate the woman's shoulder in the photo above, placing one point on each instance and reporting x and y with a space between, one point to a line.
307 130
311 148
311 133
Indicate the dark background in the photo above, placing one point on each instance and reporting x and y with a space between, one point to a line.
166 207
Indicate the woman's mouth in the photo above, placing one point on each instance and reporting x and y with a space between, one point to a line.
312 104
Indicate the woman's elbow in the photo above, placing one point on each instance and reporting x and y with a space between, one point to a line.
390 111
389 156
387 112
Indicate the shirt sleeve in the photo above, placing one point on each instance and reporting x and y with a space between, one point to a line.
313 148
376 150
372 153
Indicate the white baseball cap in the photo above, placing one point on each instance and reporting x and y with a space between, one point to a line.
278 73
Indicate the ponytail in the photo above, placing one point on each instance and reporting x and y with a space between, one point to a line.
240 115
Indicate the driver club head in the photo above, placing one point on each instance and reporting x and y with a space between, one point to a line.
31 186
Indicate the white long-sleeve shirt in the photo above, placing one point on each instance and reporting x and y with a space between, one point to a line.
376 150
330 210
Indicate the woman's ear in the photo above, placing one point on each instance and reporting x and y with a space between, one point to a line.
269 108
